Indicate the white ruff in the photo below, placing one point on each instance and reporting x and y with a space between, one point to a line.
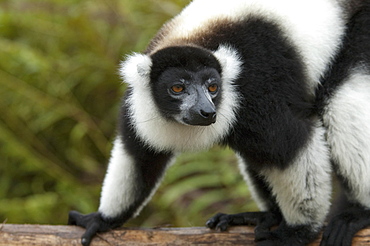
162 134
314 26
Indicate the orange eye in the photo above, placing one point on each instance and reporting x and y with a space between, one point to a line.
177 88
212 88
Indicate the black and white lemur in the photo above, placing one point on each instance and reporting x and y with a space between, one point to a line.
284 83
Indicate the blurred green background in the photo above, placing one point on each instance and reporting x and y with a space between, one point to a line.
59 98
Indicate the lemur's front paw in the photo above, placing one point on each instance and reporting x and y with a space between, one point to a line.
92 222
284 235
263 220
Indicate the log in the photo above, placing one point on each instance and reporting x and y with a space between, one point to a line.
11 234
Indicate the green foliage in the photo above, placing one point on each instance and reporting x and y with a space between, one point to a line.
59 98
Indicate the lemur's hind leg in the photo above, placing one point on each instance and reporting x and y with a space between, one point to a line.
347 119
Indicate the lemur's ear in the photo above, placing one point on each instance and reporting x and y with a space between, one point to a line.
229 61
135 70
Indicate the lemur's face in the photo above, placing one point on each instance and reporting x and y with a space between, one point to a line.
189 97
186 84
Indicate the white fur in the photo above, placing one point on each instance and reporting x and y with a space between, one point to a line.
118 190
347 118
231 66
162 134
303 190
135 70
314 26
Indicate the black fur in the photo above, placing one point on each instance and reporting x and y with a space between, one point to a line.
345 225
189 66
285 235
150 165
273 120
263 220
355 53
273 123
191 58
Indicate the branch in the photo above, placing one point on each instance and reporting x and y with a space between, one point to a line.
29 235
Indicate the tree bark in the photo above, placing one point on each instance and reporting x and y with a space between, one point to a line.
11 234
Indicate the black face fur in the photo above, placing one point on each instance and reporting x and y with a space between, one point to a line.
186 84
